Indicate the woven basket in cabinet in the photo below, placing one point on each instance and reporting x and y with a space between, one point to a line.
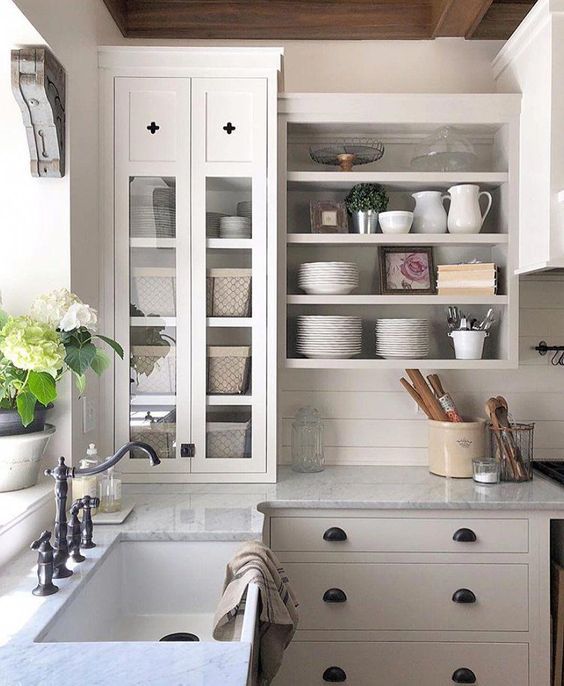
153 368
228 369
160 436
228 438
154 291
229 293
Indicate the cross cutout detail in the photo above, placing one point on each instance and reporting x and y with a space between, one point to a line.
229 128
153 128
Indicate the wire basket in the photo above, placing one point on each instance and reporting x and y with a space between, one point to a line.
348 152
513 448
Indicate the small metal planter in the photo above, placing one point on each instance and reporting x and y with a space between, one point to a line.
365 222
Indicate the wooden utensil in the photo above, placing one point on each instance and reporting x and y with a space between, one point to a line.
444 398
427 395
502 414
415 395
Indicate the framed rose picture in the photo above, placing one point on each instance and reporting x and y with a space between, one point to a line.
328 217
406 270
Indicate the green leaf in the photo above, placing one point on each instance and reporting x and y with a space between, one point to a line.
80 382
116 347
79 359
101 362
26 407
43 387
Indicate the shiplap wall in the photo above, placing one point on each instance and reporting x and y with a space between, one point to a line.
369 419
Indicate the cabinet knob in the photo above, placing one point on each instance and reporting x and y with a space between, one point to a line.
463 595
464 676
464 536
334 675
334 595
335 533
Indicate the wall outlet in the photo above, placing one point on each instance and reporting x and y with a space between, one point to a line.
88 415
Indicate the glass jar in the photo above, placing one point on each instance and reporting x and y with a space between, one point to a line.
307 441
513 448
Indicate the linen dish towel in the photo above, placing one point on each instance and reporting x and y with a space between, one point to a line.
278 618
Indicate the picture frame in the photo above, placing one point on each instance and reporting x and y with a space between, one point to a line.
327 216
407 270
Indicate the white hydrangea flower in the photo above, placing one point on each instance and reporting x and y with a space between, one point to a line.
78 315
50 308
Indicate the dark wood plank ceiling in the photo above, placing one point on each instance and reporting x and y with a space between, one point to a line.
318 19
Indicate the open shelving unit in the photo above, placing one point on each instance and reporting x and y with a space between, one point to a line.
400 122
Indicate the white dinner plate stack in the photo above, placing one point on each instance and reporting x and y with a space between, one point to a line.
402 338
245 209
329 337
212 223
234 227
328 278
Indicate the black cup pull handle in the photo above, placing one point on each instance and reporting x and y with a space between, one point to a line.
334 595
335 533
463 595
334 675
464 536
464 676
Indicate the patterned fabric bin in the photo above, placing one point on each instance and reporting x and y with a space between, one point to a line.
153 369
229 293
228 439
154 291
228 369
160 436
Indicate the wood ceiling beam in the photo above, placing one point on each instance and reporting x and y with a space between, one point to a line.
118 10
501 20
458 18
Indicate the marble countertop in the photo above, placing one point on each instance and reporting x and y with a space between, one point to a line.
221 512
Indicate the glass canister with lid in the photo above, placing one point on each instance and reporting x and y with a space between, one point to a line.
307 441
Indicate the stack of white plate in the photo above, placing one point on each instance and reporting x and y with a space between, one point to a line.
212 223
328 278
402 338
245 209
234 227
330 337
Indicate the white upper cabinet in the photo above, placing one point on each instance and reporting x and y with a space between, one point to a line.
532 62
193 230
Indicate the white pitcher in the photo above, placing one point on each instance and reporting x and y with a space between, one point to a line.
429 215
464 215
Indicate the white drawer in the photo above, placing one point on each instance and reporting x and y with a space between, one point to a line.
404 664
418 597
307 534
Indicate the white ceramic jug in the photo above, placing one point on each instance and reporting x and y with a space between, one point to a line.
429 215
464 215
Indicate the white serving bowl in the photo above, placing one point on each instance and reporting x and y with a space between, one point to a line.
396 221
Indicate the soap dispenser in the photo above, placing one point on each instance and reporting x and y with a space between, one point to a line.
109 489
86 485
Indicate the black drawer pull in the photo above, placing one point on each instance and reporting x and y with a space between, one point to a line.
463 595
464 676
334 595
464 536
334 675
334 534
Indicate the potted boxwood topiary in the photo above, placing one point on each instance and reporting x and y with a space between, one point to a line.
36 351
364 202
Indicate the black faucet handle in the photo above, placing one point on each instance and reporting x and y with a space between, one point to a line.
43 540
88 502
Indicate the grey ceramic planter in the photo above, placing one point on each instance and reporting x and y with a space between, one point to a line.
11 424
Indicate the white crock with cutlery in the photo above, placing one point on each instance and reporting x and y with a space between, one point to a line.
465 215
429 215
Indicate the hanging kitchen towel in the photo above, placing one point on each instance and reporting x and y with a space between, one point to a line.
278 619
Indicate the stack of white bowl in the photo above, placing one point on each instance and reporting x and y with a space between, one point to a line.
329 337
234 227
328 278
402 338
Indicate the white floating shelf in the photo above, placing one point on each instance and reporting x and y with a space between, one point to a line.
151 399
229 243
229 400
400 239
152 321
295 363
396 300
230 322
152 242
400 181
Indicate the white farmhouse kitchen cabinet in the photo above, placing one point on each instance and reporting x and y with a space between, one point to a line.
532 63
189 198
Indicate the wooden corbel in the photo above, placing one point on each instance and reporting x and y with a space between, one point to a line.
38 84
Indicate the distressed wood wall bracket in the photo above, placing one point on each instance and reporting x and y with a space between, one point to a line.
38 84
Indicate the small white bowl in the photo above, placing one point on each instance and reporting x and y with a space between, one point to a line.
397 221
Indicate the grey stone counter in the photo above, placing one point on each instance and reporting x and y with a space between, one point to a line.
217 512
